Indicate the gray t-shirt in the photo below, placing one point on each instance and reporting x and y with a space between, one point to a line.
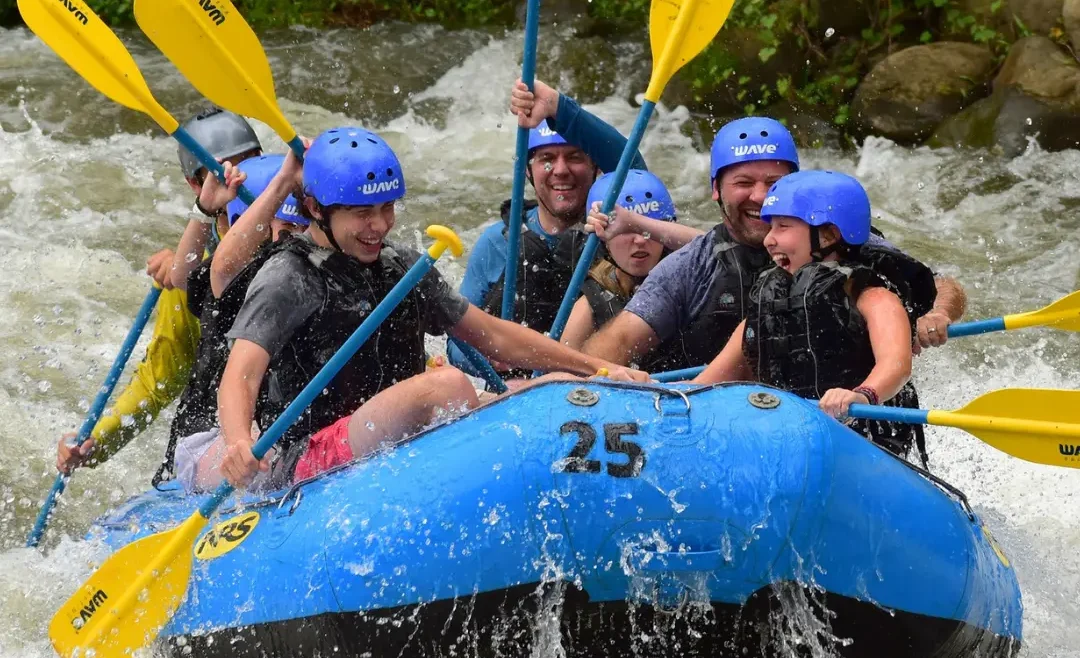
677 289
287 291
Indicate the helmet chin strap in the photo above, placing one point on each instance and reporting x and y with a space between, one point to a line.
322 220
817 252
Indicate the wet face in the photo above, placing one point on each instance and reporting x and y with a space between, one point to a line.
358 230
634 253
788 242
741 189
562 176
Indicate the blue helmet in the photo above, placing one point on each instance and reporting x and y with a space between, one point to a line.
352 167
820 197
642 193
750 139
543 135
260 171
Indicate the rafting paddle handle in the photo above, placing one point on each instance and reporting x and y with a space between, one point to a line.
98 406
521 154
678 31
138 588
678 375
80 38
1037 425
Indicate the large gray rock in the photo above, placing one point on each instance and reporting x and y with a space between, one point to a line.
906 95
1036 95
1070 14
1039 16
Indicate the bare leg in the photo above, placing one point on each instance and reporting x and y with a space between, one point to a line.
407 406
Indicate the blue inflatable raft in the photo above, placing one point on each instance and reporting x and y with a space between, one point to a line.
613 519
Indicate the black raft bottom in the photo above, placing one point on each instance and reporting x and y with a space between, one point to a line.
785 620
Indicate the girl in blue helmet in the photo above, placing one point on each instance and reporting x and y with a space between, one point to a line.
822 324
311 292
627 258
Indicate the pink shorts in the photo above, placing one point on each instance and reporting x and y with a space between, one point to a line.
327 448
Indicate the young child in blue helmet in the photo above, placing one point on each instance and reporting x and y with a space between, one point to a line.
627 256
310 294
821 323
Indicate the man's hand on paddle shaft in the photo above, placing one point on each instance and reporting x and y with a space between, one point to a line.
215 196
158 267
533 107
70 456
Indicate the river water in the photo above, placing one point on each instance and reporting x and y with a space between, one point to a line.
89 189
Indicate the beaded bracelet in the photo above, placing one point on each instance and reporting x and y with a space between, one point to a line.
870 393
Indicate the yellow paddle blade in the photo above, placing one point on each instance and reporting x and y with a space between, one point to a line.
1037 425
81 39
130 598
216 50
678 31
1063 314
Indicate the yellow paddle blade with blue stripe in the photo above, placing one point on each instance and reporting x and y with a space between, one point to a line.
1064 314
130 598
86 44
217 51
688 24
1034 424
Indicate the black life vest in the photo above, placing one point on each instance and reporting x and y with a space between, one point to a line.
351 291
543 274
196 410
737 268
805 334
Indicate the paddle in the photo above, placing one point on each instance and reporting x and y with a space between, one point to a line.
1062 314
678 31
1036 425
80 38
96 409
129 599
487 372
521 154
217 51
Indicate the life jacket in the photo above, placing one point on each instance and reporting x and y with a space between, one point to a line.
805 334
737 268
351 291
607 298
543 275
196 410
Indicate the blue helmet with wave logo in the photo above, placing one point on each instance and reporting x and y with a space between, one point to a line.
820 197
752 139
350 166
642 193
260 171
543 135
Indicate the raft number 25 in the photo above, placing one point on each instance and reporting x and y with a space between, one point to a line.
578 460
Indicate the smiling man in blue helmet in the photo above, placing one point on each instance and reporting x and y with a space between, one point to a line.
564 159
312 291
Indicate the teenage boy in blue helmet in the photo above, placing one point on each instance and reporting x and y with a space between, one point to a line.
564 159
312 291
859 350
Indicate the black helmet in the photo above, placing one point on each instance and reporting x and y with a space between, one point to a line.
220 132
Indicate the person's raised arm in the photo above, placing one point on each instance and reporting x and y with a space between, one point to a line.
213 197
672 235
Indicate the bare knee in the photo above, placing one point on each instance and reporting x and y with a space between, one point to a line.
448 384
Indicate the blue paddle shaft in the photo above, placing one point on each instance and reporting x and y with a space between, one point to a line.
96 409
328 372
296 145
521 154
678 375
893 414
481 364
209 161
609 202
977 327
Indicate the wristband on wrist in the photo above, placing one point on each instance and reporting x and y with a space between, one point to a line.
209 213
870 393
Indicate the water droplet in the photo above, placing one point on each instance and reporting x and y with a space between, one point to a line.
548 166
921 185
190 258
57 310
127 420
370 425
44 386
259 227
84 404
176 308
829 32
397 89
1028 121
